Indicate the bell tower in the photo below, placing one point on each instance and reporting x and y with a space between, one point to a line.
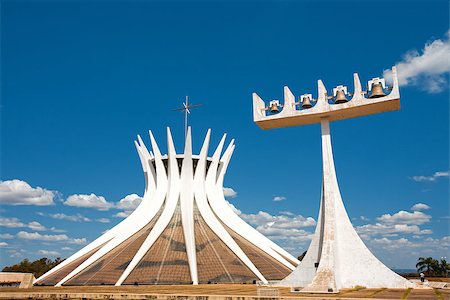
337 257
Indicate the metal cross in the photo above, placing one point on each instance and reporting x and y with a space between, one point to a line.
185 108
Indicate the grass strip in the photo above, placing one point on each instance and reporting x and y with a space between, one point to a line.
376 292
438 294
406 294
355 289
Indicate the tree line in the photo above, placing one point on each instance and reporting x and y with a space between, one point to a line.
428 265
37 267
433 267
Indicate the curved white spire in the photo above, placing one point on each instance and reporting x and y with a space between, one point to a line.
196 188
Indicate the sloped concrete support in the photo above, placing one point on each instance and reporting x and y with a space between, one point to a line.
337 257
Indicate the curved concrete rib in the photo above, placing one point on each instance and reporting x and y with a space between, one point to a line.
165 190
135 222
238 225
187 206
208 215
110 234
341 258
167 214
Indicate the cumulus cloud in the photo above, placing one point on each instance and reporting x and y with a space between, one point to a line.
434 177
390 229
129 202
72 218
420 206
88 201
285 228
3 244
36 226
279 198
36 236
6 236
388 244
263 218
229 192
18 192
49 253
404 217
11 223
103 220
76 241
122 214
16 223
235 210
426 69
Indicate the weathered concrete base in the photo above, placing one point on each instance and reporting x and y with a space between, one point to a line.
25 280
337 257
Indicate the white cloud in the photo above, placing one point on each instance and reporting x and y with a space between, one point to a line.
41 237
3 244
279 198
263 218
36 236
66 248
6 236
36 226
49 253
420 206
426 69
229 192
388 244
285 228
129 202
433 177
18 192
72 218
122 214
80 241
88 201
404 217
15 254
103 220
11 222
57 230
390 229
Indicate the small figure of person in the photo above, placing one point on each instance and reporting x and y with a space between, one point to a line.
422 277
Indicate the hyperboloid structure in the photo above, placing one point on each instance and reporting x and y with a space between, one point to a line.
337 257
183 231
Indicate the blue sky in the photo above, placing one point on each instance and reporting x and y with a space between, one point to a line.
79 81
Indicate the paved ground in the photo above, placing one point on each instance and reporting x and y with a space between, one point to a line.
213 291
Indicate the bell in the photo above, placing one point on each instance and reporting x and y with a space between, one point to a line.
306 103
274 107
377 91
340 97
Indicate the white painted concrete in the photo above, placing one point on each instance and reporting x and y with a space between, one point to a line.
337 257
166 190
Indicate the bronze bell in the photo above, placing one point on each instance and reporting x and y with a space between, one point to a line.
306 103
340 97
274 107
377 91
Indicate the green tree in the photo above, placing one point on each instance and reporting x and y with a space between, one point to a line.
427 265
443 267
37 267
